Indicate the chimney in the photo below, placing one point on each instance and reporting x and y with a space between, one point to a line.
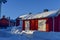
3 16
46 10
30 13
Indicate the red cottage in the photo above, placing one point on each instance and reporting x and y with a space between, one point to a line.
45 21
4 22
7 22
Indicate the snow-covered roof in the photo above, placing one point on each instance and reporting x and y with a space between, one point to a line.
41 15
45 14
26 16
22 16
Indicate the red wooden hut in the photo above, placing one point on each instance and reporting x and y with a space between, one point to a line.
45 21
4 22
7 22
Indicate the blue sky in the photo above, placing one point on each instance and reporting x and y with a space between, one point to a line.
15 8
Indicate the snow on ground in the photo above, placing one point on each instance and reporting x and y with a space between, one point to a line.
46 36
8 34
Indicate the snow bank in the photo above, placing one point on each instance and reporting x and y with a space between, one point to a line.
8 36
46 36
36 35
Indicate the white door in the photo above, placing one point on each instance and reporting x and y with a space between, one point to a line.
27 25
42 25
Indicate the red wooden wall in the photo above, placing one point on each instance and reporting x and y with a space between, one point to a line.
4 22
49 24
34 24
57 24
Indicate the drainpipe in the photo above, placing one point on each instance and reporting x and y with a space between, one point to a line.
53 24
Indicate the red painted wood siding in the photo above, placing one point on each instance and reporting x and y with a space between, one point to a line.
50 24
47 25
57 24
36 25
32 24
4 22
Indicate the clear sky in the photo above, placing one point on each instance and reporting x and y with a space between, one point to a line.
15 8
